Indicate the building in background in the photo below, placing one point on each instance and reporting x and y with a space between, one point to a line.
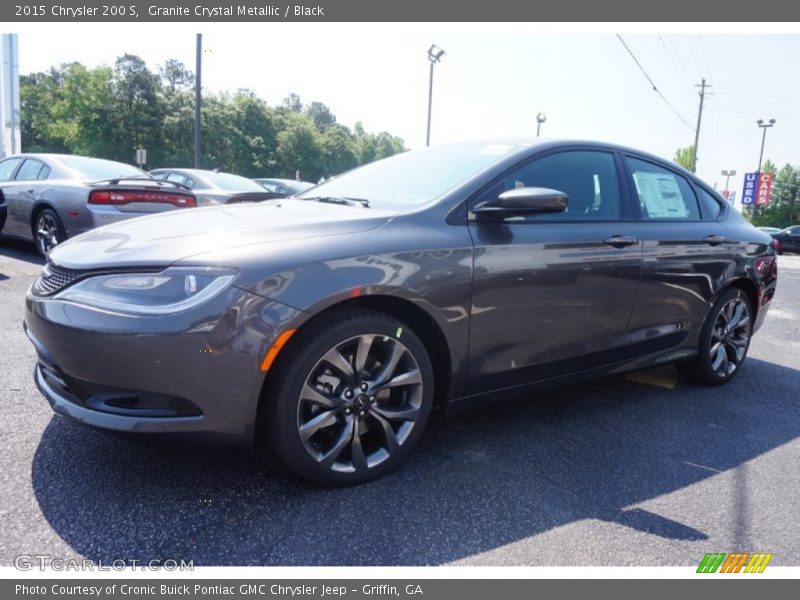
9 95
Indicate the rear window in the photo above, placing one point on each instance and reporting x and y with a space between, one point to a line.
232 183
95 169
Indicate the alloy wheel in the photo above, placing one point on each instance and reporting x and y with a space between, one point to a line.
46 233
730 336
359 403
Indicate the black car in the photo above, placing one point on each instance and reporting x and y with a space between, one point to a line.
788 239
331 324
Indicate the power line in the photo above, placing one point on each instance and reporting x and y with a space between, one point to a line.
705 57
672 61
655 88
678 55
691 52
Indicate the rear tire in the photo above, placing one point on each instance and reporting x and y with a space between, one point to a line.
350 400
48 231
724 340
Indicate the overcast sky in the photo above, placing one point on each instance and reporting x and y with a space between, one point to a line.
492 82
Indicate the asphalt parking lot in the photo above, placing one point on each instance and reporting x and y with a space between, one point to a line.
643 470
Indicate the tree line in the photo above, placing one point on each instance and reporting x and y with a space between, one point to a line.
784 204
109 112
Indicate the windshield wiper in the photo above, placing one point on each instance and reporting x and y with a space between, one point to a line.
340 200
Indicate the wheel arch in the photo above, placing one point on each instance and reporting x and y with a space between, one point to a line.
420 321
748 287
36 209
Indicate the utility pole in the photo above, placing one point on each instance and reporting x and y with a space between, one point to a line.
197 99
703 85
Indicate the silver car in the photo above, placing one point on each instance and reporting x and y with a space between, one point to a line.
214 187
52 197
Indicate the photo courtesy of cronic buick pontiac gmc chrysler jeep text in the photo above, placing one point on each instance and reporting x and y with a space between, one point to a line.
330 324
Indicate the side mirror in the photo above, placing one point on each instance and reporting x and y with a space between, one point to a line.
522 201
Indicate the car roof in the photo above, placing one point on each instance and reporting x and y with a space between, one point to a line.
278 180
57 156
195 171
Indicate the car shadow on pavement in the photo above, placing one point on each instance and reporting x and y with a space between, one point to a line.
19 250
478 482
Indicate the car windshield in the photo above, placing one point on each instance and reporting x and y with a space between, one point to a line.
413 178
96 169
232 183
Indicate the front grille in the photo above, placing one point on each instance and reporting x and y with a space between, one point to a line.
54 278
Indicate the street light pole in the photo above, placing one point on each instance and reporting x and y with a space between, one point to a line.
764 125
727 175
197 99
540 118
435 54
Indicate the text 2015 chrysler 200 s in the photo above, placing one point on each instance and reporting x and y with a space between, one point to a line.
331 323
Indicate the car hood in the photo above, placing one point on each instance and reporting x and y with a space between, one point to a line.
162 239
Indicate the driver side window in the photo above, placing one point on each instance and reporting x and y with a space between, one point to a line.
588 177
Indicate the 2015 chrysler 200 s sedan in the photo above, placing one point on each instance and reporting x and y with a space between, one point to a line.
330 324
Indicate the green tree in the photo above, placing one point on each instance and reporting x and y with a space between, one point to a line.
299 149
108 112
684 157
784 207
320 115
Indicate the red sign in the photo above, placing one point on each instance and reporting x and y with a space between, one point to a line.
763 189
726 194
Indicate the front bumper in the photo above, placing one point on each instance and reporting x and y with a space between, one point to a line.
194 372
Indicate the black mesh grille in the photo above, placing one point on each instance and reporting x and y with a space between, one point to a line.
54 278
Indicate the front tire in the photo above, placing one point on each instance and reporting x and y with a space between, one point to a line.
351 399
724 340
48 231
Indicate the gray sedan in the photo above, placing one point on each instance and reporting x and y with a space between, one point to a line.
284 187
52 197
214 187
329 325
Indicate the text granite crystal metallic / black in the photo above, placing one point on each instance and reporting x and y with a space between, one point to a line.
330 324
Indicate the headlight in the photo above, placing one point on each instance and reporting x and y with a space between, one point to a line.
170 291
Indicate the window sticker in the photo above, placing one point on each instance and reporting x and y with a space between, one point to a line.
660 195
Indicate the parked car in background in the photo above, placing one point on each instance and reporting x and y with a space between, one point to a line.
214 187
770 230
285 187
3 211
330 326
788 240
51 197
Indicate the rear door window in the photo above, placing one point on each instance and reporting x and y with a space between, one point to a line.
29 171
663 194
7 168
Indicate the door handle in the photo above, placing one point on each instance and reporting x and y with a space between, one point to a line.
714 240
31 190
620 241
